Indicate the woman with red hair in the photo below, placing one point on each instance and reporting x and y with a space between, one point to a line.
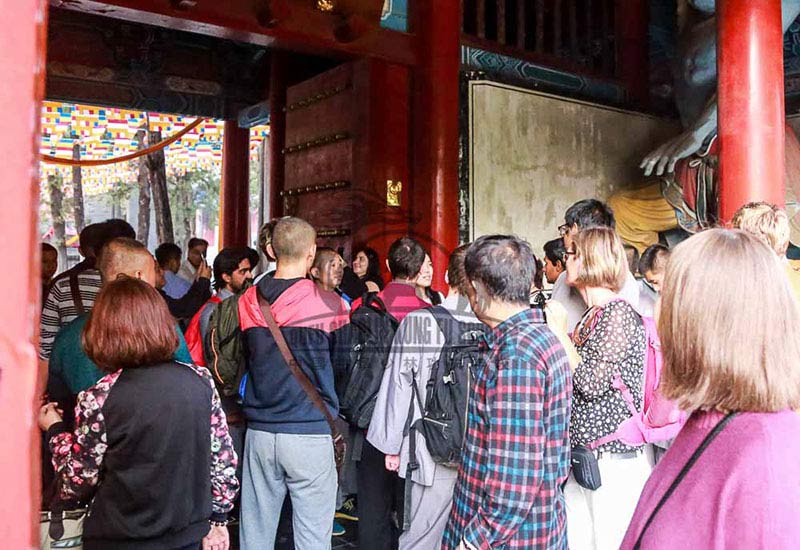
151 448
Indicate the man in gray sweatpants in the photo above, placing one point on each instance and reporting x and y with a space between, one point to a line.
300 464
288 447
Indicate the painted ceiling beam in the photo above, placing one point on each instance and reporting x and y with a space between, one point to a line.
283 24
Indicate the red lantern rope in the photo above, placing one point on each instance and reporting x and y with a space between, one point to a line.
160 145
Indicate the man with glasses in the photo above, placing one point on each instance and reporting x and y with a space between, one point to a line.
583 215
516 448
232 273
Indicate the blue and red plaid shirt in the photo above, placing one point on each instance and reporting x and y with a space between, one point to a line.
516 452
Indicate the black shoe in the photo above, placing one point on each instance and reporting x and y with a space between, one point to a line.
349 510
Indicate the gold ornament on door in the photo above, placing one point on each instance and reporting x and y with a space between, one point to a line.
393 191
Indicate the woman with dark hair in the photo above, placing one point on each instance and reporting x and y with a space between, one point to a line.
367 266
538 277
424 282
151 449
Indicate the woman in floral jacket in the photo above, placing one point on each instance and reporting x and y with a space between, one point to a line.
151 449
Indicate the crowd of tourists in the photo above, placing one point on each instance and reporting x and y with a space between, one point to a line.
645 401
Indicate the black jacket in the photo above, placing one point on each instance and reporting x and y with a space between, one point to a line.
185 307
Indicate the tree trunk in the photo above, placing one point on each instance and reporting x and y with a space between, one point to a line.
157 172
144 192
193 224
57 214
77 189
263 181
189 214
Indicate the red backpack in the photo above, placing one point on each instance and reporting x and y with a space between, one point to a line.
194 340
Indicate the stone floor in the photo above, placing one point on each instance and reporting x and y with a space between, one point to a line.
348 541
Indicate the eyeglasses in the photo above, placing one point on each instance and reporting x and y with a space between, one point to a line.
563 229
569 253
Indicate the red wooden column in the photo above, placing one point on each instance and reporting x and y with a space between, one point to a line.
382 93
751 110
235 192
632 49
435 130
22 50
277 132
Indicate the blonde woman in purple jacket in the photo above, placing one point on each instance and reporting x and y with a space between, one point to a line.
730 333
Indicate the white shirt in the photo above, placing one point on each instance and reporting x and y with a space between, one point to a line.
647 299
187 271
571 299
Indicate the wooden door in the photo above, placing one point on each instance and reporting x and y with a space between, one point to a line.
347 137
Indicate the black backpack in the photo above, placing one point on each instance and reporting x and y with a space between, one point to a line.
444 415
369 339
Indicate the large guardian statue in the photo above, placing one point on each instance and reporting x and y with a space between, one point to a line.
686 166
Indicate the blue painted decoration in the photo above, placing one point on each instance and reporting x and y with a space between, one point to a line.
535 75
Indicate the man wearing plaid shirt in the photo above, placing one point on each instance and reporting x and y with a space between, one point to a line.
516 452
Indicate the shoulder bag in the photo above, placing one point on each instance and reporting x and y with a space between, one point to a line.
339 444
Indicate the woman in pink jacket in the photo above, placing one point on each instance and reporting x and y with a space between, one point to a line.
730 332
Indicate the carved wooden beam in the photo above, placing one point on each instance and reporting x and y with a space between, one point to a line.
286 24
103 61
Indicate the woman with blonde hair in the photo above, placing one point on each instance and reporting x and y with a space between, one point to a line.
610 340
729 334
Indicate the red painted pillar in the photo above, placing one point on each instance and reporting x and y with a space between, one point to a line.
751 110
22 51
632 50
435 131
277 132
235 192
382 92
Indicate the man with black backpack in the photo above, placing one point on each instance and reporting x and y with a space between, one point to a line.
373 322
420 413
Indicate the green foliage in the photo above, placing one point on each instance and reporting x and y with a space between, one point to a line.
255 179
58 183
119 192
196 190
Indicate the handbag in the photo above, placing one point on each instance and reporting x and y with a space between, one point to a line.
339 443
682 474
584 462
585 469
61 529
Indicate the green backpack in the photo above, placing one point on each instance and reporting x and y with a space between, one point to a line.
223 348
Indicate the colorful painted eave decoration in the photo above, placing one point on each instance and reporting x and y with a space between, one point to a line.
105 133
528 73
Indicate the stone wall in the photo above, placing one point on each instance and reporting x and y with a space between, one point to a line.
532 155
